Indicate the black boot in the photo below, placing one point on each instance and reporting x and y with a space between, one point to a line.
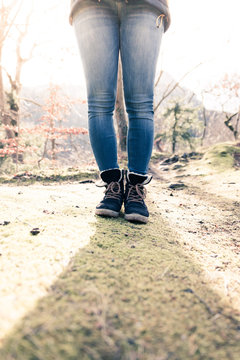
114 193
135 193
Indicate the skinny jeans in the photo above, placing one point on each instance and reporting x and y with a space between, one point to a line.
104 29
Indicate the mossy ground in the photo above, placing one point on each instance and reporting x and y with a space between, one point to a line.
132 293
49 176
140 292
221 156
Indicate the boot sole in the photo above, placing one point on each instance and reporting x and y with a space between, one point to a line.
107 212
136 217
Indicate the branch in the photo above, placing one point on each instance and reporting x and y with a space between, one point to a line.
228 121
166 94
22 35
12 22
191 97
9 77
31 101
159 77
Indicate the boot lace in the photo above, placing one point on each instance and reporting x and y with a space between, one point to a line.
113 191
136 193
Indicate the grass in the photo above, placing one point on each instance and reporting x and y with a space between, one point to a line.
159 156
48 176
132 293
221 156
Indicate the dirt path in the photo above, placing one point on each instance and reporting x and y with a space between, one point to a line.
30 264
166 290
206 217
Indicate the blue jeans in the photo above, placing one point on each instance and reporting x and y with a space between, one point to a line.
104 29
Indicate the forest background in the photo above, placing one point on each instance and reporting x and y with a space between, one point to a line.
43 122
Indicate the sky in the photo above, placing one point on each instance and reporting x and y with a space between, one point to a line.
202 31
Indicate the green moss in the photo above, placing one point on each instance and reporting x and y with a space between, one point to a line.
132 293
158 156
221 156
48 177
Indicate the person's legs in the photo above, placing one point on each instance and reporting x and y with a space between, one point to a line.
97 30
101 28
140 40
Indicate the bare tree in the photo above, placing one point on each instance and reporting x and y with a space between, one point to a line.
120 113
11 113
8 14
227 93
204 120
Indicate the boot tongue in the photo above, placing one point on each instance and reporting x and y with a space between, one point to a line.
111 175
135 179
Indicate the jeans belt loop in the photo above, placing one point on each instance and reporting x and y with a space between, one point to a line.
161 16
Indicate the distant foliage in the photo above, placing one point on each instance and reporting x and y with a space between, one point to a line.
52 122
227 93
181 125
51 128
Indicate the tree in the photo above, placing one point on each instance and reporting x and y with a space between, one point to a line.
8 14
182 124
51 123
10 104
51 129
120 113
227 94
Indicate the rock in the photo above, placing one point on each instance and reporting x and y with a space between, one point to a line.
171 160
177 186
4 223
176 167
86 181
35 231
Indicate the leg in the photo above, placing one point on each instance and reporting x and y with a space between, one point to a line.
97 30
139 45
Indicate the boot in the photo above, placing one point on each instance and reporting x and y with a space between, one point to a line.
114 194
135 193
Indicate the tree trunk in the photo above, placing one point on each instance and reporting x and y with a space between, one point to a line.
174 133
229 125
1 89
204 125
204 121
120 113
5 118
237 124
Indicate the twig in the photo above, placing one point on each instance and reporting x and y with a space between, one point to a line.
23 222
31 101
209 310
167 93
